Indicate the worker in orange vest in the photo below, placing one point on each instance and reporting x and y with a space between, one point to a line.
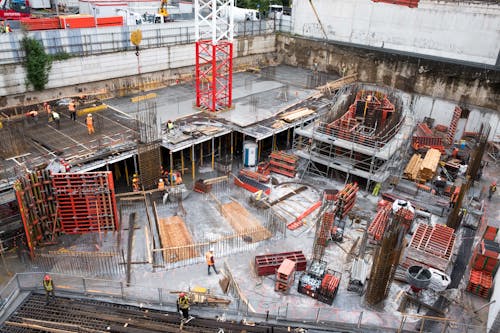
72 110
209 257
90 124
46 108
136 186
161 185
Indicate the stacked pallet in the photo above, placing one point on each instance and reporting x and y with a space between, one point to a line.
413 167
283 163
480 283
429 164
347 198
267 264
485 261
285 276
261 178
329 287
377 227
430 247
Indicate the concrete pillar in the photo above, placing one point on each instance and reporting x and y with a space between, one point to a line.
192 163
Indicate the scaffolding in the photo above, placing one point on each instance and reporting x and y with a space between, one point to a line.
367 141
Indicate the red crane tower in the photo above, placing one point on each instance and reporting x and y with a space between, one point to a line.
214 25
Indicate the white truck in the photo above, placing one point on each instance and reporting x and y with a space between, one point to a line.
242 14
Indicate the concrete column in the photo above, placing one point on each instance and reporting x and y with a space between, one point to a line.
171 168
182 162
213 153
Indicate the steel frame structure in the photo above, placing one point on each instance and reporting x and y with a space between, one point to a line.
214 55
329 153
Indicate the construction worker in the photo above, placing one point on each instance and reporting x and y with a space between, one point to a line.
178 178
209 257
56 118
493 189
8 28
48 285
135 183
161 185
183 305
33 115
72 110
376 189
170 126
90 124
46 108
2 27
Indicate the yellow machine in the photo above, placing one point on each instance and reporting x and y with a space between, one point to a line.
162 11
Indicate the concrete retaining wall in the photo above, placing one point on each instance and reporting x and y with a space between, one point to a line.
117 71
458 83
468 31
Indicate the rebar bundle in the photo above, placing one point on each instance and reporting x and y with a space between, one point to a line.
386 260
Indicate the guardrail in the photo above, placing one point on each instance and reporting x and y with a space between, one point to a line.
163 299
93 41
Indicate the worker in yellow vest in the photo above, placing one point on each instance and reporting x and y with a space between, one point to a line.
183 305
135 183
48 285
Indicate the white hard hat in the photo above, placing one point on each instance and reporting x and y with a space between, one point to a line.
89 115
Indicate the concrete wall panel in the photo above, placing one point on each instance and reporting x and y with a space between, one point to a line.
468 32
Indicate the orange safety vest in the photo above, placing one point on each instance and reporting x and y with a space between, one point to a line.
90 122
209 257
71 107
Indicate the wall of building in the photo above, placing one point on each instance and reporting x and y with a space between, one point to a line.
117 72
455 82
465 30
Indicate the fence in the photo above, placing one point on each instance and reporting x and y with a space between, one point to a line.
93 264
160 298
92 41
273 228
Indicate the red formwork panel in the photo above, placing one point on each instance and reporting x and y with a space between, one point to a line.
85 202
407 3
267 264
432 246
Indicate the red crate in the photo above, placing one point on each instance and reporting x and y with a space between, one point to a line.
267 264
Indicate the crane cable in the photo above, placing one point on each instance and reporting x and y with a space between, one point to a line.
319 20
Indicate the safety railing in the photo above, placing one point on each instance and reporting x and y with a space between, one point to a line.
92 41
165 299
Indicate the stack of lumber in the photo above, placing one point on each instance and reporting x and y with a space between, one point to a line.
297 114
429 164
413 167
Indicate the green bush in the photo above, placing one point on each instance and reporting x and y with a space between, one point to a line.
60 56
37 63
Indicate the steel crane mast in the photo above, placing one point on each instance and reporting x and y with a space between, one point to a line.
214 30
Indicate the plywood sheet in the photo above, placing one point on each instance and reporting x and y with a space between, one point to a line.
176 239
243 222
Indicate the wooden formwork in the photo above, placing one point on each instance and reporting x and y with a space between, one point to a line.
176 240
243 222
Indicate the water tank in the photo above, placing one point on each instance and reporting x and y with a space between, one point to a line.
249 153
418 277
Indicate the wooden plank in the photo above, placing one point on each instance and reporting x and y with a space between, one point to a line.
173 233
244 222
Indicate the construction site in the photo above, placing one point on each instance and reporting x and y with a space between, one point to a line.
334 192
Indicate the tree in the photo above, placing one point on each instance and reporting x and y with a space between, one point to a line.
37 63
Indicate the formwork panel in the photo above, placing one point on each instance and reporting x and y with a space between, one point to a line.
85 202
